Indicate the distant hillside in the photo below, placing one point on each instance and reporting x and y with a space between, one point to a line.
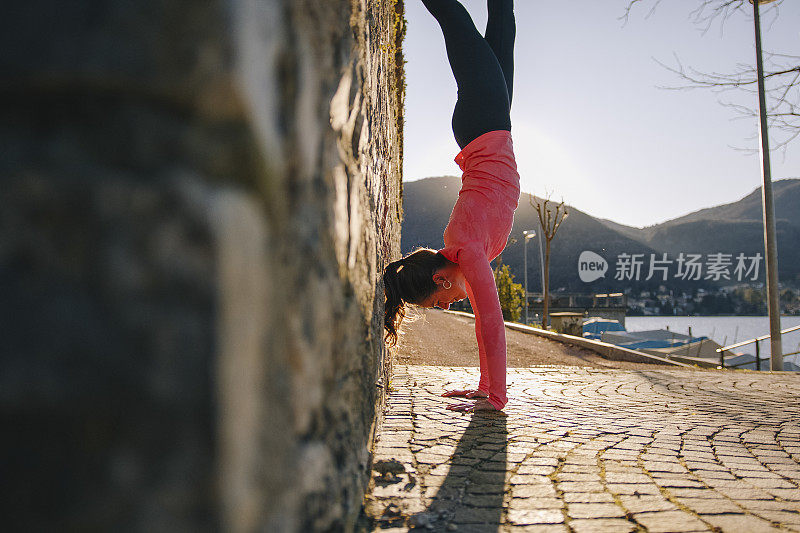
732 228
427 204
786 194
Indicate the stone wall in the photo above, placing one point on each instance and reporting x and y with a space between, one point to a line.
197 202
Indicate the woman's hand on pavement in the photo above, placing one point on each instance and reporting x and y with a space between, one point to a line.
482 404
466 393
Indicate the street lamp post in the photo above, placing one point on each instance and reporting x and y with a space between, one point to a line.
770 241
528 234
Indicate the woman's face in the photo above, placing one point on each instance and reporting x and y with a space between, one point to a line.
443 298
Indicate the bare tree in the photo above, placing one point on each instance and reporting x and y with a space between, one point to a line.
550 219
781 71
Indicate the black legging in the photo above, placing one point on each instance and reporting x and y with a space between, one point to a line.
483 66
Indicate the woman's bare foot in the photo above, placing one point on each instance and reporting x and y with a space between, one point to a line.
466 393
481 404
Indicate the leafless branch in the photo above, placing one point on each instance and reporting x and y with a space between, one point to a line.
550 217
710 10
626 15
781 72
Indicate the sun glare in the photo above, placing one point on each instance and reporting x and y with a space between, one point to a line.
545 166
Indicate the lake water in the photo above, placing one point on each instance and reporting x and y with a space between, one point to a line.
725 330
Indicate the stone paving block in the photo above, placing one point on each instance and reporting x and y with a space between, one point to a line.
766 505
594 510
729 484
588 497
757 471
590 465
633 488
478 454
541 528
431 459
784 471
713 474
646 504
535 503
494 466
602 525
669 522
540 490
701 460
678 483
474 515
738 493
528 479
770 483
464 461
615 465
540 461
632 455
485 488
574 476
480 500
694 493
785 518
580 486
663 466
536 469
792 495
709 505
527 517
619 477
739 522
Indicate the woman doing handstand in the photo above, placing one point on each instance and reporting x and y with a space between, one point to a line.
482 217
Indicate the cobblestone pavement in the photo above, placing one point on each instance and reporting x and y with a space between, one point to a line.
591 450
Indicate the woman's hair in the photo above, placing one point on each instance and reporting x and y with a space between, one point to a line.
409 280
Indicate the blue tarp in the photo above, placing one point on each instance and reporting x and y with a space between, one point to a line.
651 344
595 327
634 341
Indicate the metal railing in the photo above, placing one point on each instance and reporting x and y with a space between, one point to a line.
757 340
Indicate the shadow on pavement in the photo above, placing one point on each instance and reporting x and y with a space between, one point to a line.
471 495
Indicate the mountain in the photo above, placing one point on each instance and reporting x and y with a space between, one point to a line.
733 228
786 195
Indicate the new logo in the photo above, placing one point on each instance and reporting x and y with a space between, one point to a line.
591 266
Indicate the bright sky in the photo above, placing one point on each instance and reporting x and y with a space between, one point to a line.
590 123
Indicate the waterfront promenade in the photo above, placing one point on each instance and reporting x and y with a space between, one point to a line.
590 449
